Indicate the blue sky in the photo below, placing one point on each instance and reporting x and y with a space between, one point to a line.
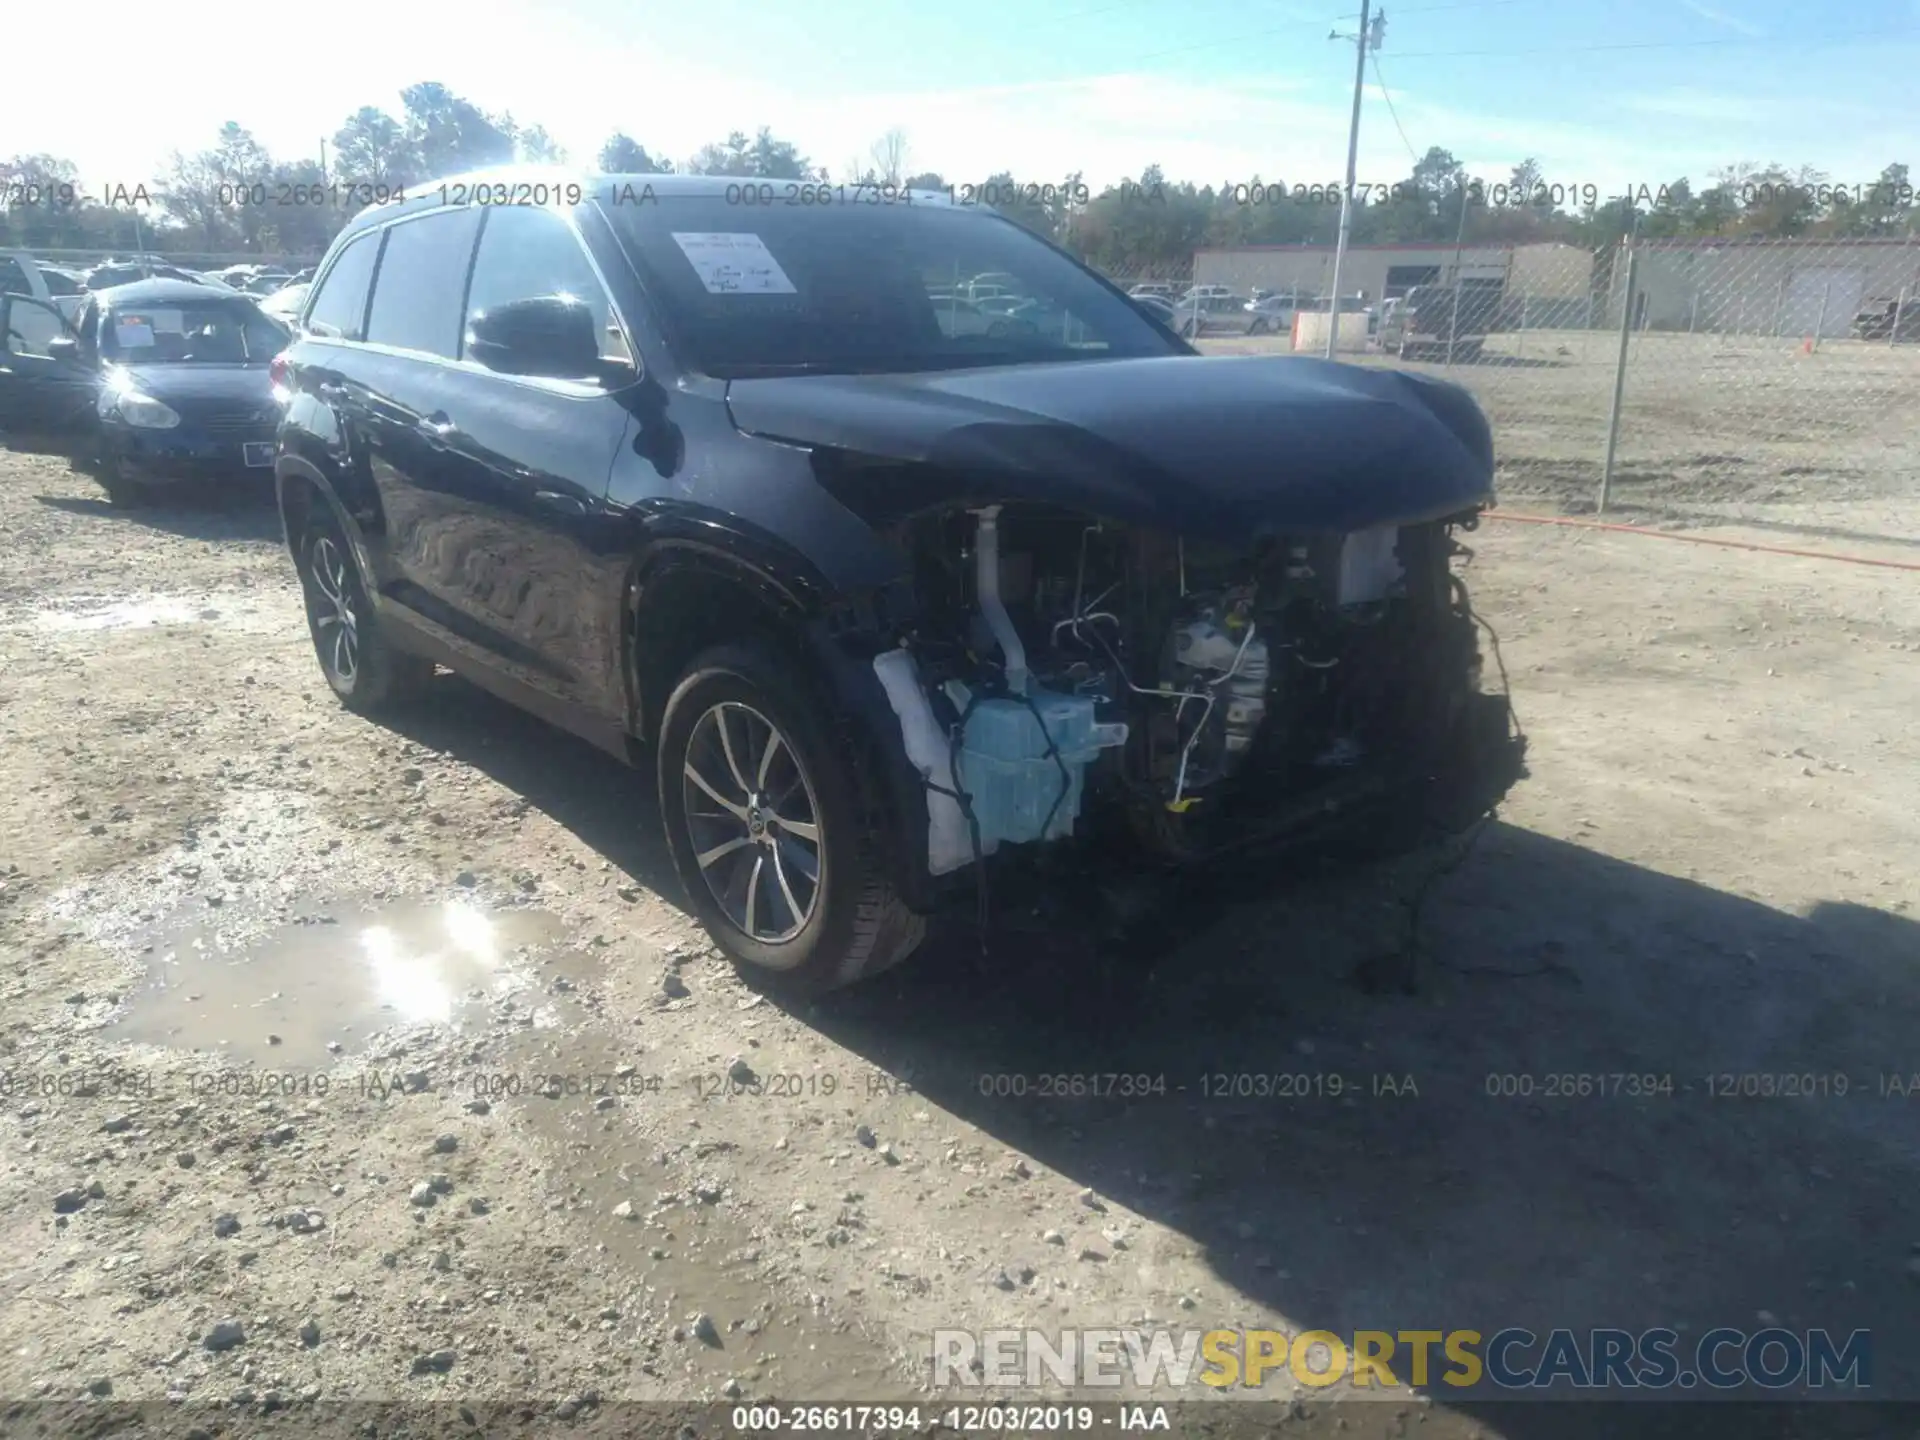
1209 89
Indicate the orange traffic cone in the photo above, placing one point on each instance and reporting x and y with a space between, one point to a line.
1806 346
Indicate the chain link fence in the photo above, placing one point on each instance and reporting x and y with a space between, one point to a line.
1724 378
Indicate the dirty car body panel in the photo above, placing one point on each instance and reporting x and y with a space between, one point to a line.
999 595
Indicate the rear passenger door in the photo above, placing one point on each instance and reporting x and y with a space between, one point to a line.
397 387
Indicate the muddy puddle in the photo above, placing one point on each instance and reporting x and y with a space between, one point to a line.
303 993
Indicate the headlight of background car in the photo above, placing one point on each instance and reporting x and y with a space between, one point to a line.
137 409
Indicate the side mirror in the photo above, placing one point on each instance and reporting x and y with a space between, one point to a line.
65 349
553 336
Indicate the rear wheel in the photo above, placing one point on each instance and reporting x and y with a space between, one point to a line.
770 827
362 666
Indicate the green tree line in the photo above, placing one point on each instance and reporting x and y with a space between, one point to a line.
226 198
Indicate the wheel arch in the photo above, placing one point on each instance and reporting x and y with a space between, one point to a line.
685 596
299 489
688 597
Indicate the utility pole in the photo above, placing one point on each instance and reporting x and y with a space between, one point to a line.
1372 28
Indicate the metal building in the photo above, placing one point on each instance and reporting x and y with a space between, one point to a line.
1765 286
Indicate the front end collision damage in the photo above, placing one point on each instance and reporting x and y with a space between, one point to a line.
1225 601
1359 700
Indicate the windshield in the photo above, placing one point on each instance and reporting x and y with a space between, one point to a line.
190 334
867 288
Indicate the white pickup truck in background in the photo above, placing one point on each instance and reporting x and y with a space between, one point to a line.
21 274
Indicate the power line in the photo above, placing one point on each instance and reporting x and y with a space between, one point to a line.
1381 80
1804 42
1214 44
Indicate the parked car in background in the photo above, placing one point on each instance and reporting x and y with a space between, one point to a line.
1877 319
1151 288
155 383
957 317
1420 326
283 304
127 272
992 283
21 274
1210 308
62 281
1157 308
1271 313
879 598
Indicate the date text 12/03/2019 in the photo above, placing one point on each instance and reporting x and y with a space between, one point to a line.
972 1419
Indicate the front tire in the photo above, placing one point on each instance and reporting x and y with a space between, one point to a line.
363 667
772 831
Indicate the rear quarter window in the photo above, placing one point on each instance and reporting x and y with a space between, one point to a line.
338 309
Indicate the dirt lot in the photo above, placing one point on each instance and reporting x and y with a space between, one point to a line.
1711 426
282 989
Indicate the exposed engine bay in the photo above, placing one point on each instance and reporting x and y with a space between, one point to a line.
1066 675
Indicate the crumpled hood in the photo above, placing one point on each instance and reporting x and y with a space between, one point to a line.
1223 447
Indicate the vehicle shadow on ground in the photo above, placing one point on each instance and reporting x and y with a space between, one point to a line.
608 805
1334 1193
199 513
1355 1157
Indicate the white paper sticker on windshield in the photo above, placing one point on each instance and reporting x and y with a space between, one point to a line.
132 332
169 322
733 263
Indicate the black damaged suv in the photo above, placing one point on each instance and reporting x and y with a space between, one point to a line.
714 472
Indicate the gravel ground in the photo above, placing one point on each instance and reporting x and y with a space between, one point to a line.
284 991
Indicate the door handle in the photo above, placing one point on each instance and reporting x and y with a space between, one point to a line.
438 428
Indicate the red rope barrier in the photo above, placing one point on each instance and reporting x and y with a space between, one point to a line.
1698 539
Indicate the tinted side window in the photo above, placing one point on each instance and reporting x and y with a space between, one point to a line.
339 309
13 280
423 270
30 325
527 252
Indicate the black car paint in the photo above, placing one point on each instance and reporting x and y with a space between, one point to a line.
1234 448
43 401
222 408
537 534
